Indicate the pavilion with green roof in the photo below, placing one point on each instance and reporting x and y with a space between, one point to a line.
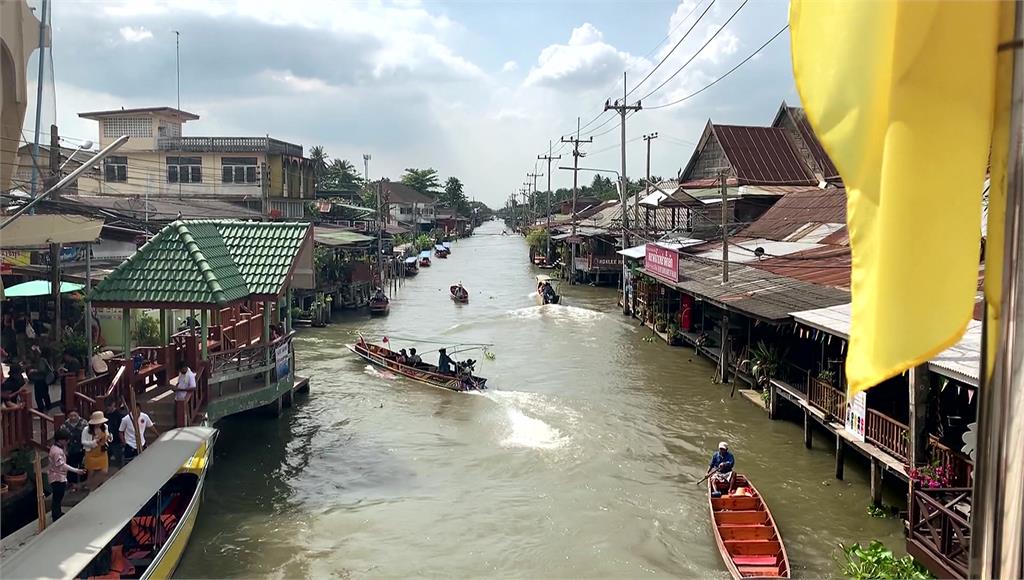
238 275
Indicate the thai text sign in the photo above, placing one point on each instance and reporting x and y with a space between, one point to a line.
283 359
11 258
662 263
856 414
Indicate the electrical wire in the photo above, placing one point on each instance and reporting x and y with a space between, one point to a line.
729 72
662 61
696 54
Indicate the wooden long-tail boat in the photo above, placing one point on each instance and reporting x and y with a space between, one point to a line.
412 266
459 294
425 259
379 307
425 373
746 534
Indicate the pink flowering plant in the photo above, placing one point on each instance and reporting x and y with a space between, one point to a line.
932 476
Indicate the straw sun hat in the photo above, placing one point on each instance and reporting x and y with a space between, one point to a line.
97 418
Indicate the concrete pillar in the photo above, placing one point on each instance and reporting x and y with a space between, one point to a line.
267 310
773 401
288 310
725 347
286 399
840 451
876 482
126 332
204 337
807 429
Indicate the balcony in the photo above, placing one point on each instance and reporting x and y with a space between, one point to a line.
827 398
939 531
229 145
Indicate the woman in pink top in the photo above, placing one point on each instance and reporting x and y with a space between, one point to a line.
58 472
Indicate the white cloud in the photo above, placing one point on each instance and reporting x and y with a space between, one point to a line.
129 34
296 83
509 66
585 62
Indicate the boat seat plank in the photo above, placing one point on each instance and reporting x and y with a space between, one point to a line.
759 571
756 560
741 517
752 547
747 532
739 502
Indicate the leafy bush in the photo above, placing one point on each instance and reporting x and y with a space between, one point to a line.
537 238
931 476
424 242
76 344
147 331
763 363
877 561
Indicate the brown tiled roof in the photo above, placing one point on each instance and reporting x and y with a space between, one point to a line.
797 210
398 192
763 155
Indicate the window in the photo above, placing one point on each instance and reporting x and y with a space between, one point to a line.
115 168
184 170
131 126
404 210
239 169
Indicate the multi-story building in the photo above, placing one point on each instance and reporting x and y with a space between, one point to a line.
159 161
408 207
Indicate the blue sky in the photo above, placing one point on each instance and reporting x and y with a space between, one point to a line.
474 89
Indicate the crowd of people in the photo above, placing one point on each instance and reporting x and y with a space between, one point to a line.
29 358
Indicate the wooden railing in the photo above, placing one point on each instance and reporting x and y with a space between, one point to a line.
938 524
887 433
827 398
794 376
959 466
190 409
21 426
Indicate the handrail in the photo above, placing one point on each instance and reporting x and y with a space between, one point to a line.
827 398
938 527
959 466
887 433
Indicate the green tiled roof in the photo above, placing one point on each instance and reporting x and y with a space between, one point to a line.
206 262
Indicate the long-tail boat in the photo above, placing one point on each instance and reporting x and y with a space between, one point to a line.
459 294
440 251
379 306
745 532
136 525
425 373
412 266
425 259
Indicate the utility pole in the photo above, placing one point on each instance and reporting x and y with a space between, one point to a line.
549 158
648 138
533 193
722 176
623 108
55 247
40 82
177 88
528 201
576 154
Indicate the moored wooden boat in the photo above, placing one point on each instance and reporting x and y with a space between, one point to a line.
425 259
379 307
746 534
136 525
447 246
412 266
459 294
440 251
425 373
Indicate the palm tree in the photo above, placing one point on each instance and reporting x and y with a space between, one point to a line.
424 181
341 174
319 157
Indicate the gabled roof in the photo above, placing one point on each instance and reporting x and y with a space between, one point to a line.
206 262
799 119
800 214
398 192
182 115
756 155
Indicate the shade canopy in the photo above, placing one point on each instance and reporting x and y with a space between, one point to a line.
39 288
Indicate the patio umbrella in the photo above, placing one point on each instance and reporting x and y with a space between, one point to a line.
39 288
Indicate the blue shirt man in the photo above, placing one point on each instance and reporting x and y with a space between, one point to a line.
722 461
444 362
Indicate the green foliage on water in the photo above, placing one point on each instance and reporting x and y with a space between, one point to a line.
877 561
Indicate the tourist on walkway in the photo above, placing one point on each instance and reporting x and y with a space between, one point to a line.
74 425
57 470
132 444
186 382
116 412
42 376
13 387
95 440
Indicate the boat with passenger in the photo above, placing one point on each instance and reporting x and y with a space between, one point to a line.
425 259
135 525
461 379
379 303
745 531
412 266
459 293
440 251
447 246
547 293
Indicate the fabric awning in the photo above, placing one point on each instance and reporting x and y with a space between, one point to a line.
39 288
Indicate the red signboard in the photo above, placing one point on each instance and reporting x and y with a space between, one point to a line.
662 263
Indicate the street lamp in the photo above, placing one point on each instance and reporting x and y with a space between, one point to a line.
85 145
621 188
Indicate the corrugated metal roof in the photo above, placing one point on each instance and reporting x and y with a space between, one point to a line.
763 155
799 117
960 362
752 291
825 265
743 251
796 210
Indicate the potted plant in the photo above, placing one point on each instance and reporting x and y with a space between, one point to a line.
19 467
675 337
827 376
763 363
659 323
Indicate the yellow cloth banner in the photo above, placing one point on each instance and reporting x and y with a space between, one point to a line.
902 95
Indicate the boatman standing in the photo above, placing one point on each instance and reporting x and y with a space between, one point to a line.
444 362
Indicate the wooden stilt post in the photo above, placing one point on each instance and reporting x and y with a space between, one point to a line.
840 451
876 482
917 446
807 429
40 499
204 336
266 342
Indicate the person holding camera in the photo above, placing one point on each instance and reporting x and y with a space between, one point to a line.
95 440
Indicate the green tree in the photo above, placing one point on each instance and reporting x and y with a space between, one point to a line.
453 196
424 181
340 174
318 155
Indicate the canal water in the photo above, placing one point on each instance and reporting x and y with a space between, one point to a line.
579 462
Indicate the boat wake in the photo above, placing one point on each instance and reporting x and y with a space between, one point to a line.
558 314
525 430
379 374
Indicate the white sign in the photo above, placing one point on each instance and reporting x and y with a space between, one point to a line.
283 360
856 414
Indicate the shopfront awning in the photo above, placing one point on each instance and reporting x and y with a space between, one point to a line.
39 288
33 231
